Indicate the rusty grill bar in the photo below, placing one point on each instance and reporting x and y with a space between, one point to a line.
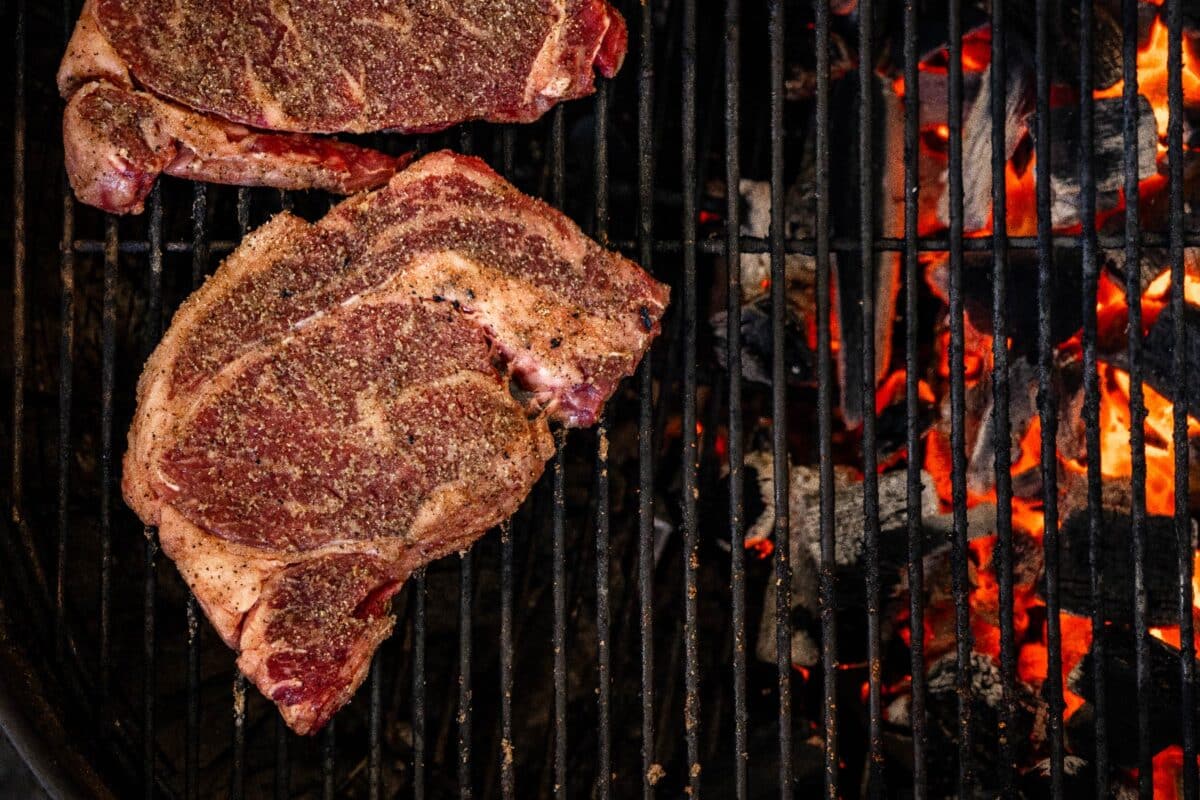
695 705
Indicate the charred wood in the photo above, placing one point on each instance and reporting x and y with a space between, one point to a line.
977 141
799 223
1107 38
1107 157
1022 277
1078 778
850 566
1161 563
1122 697
758 345
800 83
985 697
1023 383
1158 353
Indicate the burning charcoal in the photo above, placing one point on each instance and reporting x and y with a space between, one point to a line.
891 426
758 344
1021 311
1161 564
805 548
1079 779
1121 711
1158 356
986 695
801 81
800 223
1107 40
977 143
1154 262
1022 411
849 524
934 85
1108 159
852 281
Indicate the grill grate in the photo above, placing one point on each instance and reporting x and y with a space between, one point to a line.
90 669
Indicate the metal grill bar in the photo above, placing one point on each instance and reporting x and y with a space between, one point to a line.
374 723
107 346
733 334
690 454
507 755
283 771
1091 381
913 432
150 580
19 324
603 615
1137 409
1183 536
1001 427
1048 404
958 557
825 409
418 687
867 191
466 602
66 377
557 192
558 568
779 451
328 772
755 244
645 111
507 746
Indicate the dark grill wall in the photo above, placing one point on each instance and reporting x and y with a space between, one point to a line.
576 651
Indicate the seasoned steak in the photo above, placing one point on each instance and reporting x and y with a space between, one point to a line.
229 91
334 408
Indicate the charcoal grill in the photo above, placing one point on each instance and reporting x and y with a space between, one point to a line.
598 644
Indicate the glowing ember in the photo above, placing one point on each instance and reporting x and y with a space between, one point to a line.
1115 422
1152 77
762 548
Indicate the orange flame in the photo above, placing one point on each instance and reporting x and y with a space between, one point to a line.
762 548
1152 77
1115 423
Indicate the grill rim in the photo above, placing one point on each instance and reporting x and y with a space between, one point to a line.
152 246
49 747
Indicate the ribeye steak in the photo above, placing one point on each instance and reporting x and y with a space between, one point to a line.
333 408
231 91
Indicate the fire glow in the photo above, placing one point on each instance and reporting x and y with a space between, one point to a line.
1115 415
1152 77
1115 418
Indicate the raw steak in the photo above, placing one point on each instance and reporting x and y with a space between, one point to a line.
333 408
193 87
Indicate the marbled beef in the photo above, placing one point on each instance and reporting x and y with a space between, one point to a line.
332 409
194 88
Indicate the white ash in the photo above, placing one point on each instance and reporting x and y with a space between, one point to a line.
984 673
899 711
806 651
849 518
1071 766
800 208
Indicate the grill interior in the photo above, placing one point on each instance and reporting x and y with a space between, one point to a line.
603 643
